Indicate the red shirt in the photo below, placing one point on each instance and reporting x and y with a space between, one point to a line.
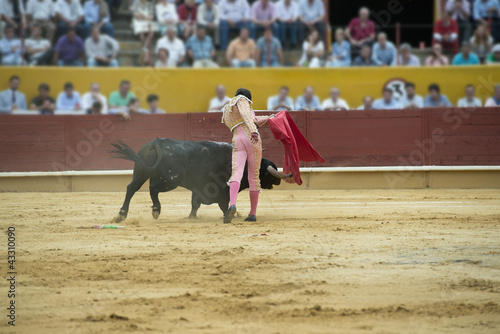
187 13
359 32
451 28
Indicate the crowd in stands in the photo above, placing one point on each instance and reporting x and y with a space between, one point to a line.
123 102
77 33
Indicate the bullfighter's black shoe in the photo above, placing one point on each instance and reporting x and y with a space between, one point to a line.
228 217
251 218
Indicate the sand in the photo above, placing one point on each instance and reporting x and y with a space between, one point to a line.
415 261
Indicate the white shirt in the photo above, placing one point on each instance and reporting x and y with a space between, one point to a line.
328 103
37 44
464 102
168 12
317 48
284 13
88 100
40 9
7 8
215 102
70 11
175 48
417 100
236 11
450 6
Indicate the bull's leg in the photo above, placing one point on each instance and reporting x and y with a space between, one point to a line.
195 205
136 184
224 205
156 210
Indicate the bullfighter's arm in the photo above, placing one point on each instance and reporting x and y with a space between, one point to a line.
247 114
261 120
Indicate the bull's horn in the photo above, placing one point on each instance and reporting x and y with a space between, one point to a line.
277 174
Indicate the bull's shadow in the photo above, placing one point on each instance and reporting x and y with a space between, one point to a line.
202 167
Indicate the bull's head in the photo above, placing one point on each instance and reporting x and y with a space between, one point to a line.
269 175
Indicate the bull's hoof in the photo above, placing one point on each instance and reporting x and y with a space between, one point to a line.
122 215
228 217
155 213
192 216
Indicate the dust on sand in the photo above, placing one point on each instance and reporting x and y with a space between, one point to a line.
389 261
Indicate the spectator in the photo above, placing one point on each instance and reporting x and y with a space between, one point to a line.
208 16
334 102
69 49
234 15
220 100
311 18
460 11
487 12
95 109
44 103
38 50
405 57
269 52
411 100
437 58
365 58
119 100
12 12
494 56
11 48
153 100
201 49
69 13
387 101
287 14
466 57
166 15
241 51
101 50
69 99
163 60
312 51
308 101
470 100
263 16
134 107
281 101
187 18
367 103
494 101
435 98
143 21
12 99
361 30
96 13
174 46
93 96
41 13
481 42
384 52
341 51
446 33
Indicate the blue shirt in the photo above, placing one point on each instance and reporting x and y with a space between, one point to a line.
91 13
273 101
480 9
301 103
201 49
381 104
69 50
64 102
344 51
7 44
460 60
385 56
262 45
311 13
6 101
443 100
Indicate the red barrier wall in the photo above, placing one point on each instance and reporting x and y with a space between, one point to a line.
345 138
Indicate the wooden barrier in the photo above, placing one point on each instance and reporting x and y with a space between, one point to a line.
443 137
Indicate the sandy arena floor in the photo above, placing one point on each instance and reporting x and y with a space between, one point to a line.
416 261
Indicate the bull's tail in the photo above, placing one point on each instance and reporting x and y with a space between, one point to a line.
123 151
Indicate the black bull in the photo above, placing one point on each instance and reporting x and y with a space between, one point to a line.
202 167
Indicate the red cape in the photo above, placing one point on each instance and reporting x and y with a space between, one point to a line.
297 148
